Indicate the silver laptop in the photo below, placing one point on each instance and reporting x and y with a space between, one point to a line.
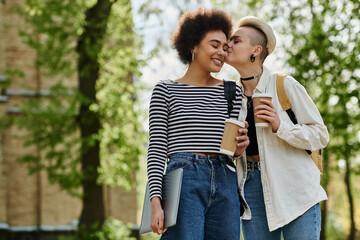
170 201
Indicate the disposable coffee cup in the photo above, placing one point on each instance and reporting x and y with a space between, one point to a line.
256 102
231 131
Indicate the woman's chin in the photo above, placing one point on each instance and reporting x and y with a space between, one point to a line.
215 70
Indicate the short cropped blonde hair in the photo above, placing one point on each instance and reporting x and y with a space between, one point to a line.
263 27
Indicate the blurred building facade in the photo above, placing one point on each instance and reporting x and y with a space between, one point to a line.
30 204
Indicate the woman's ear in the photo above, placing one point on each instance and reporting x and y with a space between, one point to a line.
195 49
257 50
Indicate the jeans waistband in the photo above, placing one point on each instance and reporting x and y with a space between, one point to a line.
252 165
193 156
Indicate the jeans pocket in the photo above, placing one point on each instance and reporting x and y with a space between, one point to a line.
174 164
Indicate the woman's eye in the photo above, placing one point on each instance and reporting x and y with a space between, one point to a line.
237 40
216 47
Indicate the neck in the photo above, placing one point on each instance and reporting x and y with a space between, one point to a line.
248 71
197 76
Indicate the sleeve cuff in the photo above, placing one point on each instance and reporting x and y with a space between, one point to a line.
282 132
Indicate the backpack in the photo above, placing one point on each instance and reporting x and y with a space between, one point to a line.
317 155
230 93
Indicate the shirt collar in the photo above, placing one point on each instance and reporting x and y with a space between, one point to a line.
263 81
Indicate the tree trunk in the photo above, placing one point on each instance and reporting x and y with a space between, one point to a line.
88 47
323 220
324 183
351 201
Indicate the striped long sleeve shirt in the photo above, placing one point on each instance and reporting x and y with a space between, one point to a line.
185 118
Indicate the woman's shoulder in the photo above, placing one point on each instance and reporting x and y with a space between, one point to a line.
289 81
163 83
170 82
161 86
291 85
237 86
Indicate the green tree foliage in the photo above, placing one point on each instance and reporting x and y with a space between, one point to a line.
120 61
91 134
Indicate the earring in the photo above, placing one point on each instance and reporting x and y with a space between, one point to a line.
252 58
192 56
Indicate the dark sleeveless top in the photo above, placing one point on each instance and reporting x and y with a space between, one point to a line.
253 148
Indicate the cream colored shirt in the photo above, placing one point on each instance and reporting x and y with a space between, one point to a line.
290 179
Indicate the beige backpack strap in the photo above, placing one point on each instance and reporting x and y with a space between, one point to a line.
281 93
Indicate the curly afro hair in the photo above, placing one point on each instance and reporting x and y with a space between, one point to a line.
194 25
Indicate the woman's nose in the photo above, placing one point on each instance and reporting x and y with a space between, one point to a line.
222 51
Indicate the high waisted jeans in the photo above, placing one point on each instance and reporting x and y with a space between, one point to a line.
209 203
305 227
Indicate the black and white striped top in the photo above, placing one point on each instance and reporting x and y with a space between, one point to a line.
185 118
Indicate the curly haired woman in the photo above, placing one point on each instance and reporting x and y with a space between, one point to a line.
187 118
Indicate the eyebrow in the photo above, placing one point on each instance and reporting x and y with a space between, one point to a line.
214 40
235 36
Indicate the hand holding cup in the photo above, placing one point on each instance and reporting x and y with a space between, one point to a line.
235 138
258 104
267 112
243 140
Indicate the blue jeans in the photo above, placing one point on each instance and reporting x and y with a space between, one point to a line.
209 205
305 227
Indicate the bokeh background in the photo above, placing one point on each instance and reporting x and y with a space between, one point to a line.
76 79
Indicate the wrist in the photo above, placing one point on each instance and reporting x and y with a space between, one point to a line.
155 202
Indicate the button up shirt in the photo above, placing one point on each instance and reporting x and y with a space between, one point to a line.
290 179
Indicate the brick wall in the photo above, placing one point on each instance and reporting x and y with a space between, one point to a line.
31 200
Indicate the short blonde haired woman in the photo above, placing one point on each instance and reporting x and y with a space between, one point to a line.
282 187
